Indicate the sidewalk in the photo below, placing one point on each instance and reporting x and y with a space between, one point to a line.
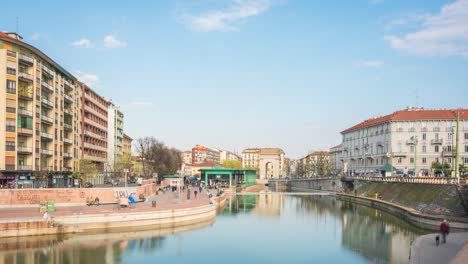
164 201
425 251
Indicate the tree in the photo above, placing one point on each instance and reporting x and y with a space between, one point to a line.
440 168
87 169
235 164
157 158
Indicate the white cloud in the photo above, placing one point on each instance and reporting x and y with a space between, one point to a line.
110 41
86 43
90 79
225 20
35 36
375 2
370 64
443 34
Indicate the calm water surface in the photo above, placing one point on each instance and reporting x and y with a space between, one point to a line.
273 228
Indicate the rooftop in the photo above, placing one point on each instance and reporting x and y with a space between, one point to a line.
410 114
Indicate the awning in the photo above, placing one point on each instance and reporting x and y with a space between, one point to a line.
387 167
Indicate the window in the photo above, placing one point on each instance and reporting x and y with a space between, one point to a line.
11 71
465 160
449 148
436 149
424 161
466 148
411 160
449 160
450 136
411 149
11 87
10 146
399 160
466 135
424 149
449 125
10 125
436 136
424 136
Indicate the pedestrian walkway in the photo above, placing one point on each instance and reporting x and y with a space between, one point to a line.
425 251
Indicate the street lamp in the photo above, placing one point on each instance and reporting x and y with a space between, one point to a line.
415 154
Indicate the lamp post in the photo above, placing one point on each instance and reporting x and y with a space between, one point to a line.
415 154
365 160
452 134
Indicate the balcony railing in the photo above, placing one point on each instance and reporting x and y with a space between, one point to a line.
410 142
47 86
95 158
47 71
47 103
94 135
47 152
67 126
436 141
25 93
68 85
47 135
67 98
24 167
24 150
25 131
424 129
11 53
96 113
47 119
96 124
436 129
448 153
399 154
67 111
95 147
68 141
25 76
95 101
26 59
67 155
24 112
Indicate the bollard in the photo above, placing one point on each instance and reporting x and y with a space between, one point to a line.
153 204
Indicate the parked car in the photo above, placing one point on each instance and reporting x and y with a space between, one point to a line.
89 185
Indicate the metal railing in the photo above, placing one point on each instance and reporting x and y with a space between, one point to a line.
47 86
436 141
425 180
26 76
46 102
26 58
24 167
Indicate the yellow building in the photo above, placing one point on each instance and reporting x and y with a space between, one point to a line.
41 115
127 144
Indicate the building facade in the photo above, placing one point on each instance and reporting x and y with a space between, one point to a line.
228 155
336 159
314 164
40 113
127 145
270 162
410 140
186 156
205 154
115 134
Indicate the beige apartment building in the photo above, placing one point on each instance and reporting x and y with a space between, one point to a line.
228 155
40 116
314 164
410 140
336 159
270 162
94 127
127 145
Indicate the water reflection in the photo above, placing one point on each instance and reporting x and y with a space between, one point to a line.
263 228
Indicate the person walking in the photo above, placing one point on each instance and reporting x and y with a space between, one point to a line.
444 231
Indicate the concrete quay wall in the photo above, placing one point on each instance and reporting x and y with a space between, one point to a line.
10 198
306 185
83 223
413 216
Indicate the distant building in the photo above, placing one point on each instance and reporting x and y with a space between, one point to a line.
193 169
270 162
414 137
314 164
186 156
227 155
336 159
205 154
127 144
115 127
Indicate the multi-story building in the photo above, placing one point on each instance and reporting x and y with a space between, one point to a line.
95 128
270 162
336 159
410 140
205 154
227 155
186 156
41 118
115 134
127 145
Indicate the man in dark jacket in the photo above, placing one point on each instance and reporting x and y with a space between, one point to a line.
444 230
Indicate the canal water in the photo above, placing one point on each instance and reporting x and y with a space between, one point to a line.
264 228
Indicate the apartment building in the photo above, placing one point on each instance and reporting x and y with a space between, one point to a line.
270 162
228 155
205 154
410 140
115 134
336 159
40 114
127 144
314 164
186 156
95 128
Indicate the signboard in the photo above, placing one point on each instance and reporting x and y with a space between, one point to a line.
388 174
42 207
140 180
51 206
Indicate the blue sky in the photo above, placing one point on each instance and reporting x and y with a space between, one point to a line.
244 73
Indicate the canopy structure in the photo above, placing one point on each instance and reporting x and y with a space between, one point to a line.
229 176
387 167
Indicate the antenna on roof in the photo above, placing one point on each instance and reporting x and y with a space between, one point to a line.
417 97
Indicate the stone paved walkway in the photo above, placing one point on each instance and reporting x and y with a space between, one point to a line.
425 251
165 201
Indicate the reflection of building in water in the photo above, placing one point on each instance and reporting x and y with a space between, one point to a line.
239 204
269 204
86 248
375 234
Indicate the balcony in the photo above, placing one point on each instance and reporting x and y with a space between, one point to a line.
95 101
24 76
47 71
399 154
46 103
380 143
95 147
25 94
46 86
89 109
24 167
95 158
67 111
448 153
67 155
410 142
25 59
68 127
25 112
68 141
424 129
25 131
95 124
94 135
436 129
24 150
47 136
67 98
47 152
47 120
68 85
436 141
